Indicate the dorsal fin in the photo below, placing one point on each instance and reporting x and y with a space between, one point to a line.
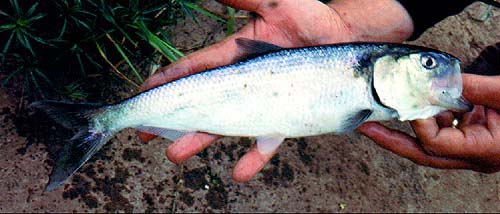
251 48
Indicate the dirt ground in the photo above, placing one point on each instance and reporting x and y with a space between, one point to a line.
327 173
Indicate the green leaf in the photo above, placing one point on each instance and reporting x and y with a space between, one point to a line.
6 80
91 60
17 9
230 22
203 11
81 22
114 69
21 38
44 77
38 39
110 18
157 8
87 13
32 9
166 49
7 27
7 45
124 56
80 63
37 17
5 14
188 11
63 28
91 2
36 84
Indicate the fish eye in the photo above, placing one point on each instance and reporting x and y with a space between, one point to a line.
428 61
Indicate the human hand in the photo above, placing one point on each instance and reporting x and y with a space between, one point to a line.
288 23
474 144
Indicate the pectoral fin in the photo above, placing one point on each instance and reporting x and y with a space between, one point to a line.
163 132
267 144
353 121
251 48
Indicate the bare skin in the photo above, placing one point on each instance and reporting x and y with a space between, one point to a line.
474 144
288 23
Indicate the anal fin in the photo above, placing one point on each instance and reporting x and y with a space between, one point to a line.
268 144
162 132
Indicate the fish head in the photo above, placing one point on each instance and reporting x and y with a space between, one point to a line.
420 84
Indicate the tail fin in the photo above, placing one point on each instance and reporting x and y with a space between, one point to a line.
82 146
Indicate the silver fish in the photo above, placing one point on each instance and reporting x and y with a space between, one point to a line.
273 94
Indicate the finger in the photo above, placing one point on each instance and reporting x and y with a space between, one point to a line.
189 145
482 90
466 142
250 164
445 119
407 147
493 122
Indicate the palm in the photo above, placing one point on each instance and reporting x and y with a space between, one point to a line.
291 26
310 22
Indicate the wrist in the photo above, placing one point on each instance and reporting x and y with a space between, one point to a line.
381 20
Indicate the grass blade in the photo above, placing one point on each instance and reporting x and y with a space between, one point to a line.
63 29
32 9
7 45
114 69
203 11
7 27
6 80
38 39
5 14
16 7
82 23
44 77
80 63
24 41
124 56
91 60
37 17
230 21
166 49
37 86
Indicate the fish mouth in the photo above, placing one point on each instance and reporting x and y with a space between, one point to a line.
454 104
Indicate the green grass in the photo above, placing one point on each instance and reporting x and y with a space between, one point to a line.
56 47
